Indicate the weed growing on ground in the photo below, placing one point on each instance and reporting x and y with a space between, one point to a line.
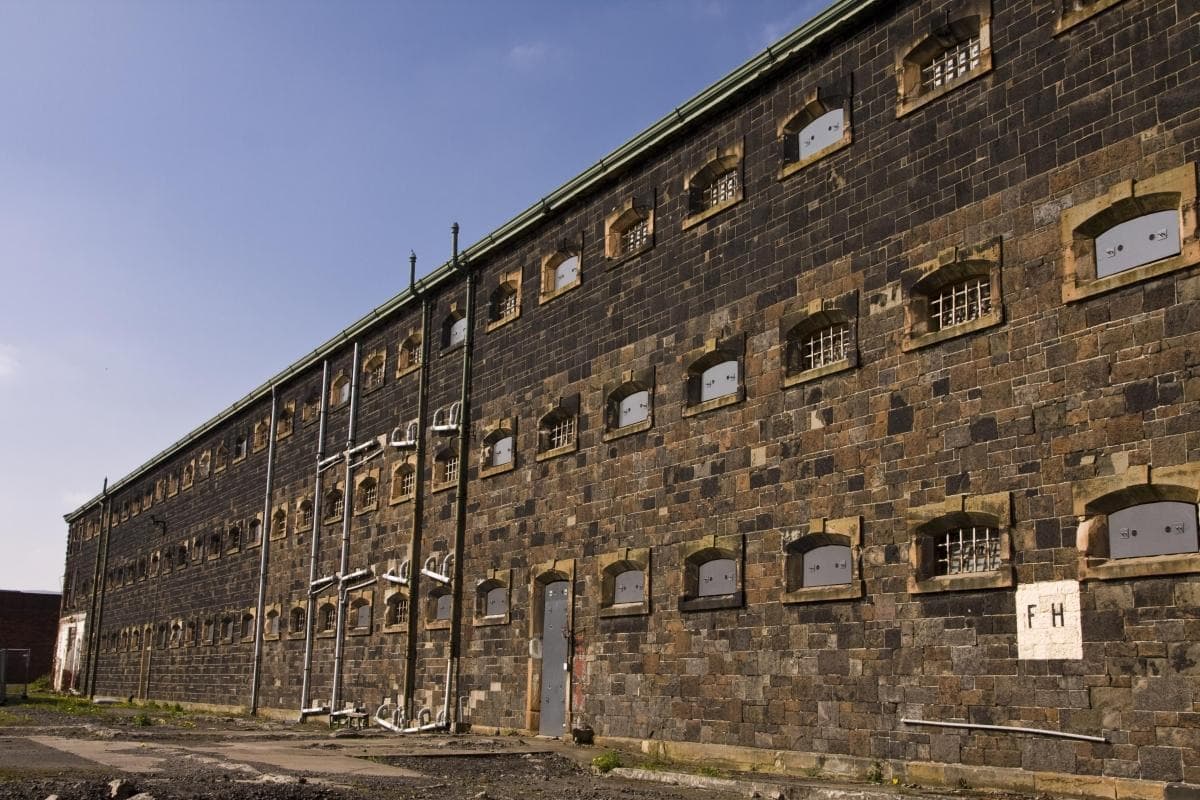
875 773
143 720
607 761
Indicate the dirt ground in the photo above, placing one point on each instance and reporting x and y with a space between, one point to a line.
72 749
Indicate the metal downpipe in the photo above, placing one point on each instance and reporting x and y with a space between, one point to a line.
98 582
311 602
460 500
418 504
339 646
105 535
264 554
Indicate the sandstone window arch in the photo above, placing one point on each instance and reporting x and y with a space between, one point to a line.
714 186
955 51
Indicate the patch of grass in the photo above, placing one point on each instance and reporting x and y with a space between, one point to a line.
7 718
710 772
607 761
875 773
143 720
65 704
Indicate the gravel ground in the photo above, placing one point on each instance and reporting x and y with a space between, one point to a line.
447 768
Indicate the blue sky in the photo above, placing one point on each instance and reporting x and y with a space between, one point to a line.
193 195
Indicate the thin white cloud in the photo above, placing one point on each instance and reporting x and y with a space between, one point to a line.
9 363
529 55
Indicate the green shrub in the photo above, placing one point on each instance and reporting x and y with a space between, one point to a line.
606 761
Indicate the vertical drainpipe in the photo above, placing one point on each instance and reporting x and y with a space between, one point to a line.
415 554
93 638
460 498
105 534
339 645
311 603
264 554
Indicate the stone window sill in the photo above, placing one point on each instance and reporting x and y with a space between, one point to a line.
279 437
819 372
614 261
445 351
628 609
714 603
628 430
497 619
371 388
792 167
559 451
402 371
358 632
966 582
367 509
441 487
1070 19
822 594
325 634
1145 567
268 637
715 403
395 629
917 341
692 220
438 625
1073 291
500 469
500 323
907 105
546 297
395 501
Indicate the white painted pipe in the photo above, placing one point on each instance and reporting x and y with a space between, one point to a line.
1006 728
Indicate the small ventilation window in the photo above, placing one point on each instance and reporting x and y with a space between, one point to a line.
255 532
719 380
634 408
717 576
1153 529
953 62
566 273
457 332
819 348
502 451
335 504
304 514
339 391
960 302
233 538
410 354
1138 241
629 587
297 620
827 565
279 524
374 370
327 617
823 132
397 610
367 494
272 625
443 607
404 481
496 602
966 549
361 611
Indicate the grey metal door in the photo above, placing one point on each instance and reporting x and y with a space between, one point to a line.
554 660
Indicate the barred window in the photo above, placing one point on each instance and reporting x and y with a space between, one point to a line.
304 514
373 371
408 482
954 62
562 432
335 502
722 188
960 302
507 305
635 237
967 549
825 346
296 623
367 493
397 610
328 617
449 468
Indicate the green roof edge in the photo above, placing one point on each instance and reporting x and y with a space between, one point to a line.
704 103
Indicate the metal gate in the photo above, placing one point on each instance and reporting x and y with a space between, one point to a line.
553 718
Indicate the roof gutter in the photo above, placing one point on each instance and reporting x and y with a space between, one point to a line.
714 97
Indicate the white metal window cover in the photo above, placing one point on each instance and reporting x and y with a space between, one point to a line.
629 587
951 63
720 380
1153 529
635 237
822 132
362 616
724 187
1137 241
717 576
825 346
496 602
343 395
502 451
974 548
960 302
567 272
562 432
634 408
272 623
458 332
442 610
827 565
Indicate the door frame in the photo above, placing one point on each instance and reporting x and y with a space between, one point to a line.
541 575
